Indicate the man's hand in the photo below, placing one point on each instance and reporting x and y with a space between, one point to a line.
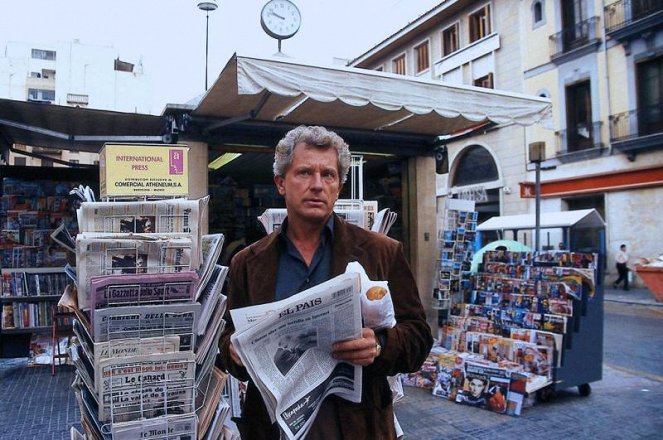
234 356
362 351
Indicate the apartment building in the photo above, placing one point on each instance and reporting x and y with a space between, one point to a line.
70 74
600 64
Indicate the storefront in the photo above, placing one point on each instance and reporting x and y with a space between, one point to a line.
394 122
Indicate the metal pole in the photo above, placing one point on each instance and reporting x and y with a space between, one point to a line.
206 44
537 193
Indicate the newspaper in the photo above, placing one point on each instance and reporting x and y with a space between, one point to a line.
384 220
113 254
180 427
211 245
272 219
141 289
208 397
286 346
144 217
123 347
148 321
131 388
62 236
211 298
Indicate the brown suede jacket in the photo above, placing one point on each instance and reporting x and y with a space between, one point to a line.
253 280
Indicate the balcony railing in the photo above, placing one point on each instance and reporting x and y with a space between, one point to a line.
624 12
578 35
637 123
579 138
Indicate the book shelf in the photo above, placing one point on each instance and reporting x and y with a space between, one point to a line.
33 203
28 298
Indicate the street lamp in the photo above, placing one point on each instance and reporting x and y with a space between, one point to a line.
537 154
207 6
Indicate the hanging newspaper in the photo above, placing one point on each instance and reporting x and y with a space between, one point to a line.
148 321
211 245
212 297
180 427
114 254
384 220
286 348
144 217
123 347
131 388
141 289
272 219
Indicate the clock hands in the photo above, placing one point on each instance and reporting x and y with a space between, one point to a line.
276 15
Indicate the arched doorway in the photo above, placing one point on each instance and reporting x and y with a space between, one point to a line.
475 176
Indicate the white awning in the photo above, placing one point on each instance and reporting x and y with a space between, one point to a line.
283 90
582 218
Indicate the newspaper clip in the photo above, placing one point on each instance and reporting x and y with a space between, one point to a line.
377 308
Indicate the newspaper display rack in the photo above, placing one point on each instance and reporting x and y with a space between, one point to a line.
148 301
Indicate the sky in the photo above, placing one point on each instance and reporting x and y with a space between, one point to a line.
168 36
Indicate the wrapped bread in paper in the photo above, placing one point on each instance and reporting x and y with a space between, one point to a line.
377 308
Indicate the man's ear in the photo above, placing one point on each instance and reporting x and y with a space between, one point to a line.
279 181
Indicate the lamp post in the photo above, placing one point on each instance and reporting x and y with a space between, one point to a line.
537 154
207 6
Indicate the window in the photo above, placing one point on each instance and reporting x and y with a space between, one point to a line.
398 65
480 24
35 75
475 165
47 163
537 11
40 54
450 40
41 95
423 62
20 161
485 81
650 96
579 117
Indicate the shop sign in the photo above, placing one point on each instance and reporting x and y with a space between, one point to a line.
144 170
476 193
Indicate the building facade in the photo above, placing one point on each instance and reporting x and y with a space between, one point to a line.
600 64
70 74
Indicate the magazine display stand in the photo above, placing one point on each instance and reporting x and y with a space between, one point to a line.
454 249
527 326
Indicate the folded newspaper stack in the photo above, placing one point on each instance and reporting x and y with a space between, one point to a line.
286 346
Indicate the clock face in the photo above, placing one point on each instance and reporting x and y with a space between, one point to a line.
280 19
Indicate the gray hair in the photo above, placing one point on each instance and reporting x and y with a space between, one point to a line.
315 136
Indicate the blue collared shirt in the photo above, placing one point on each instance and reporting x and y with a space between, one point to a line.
294 275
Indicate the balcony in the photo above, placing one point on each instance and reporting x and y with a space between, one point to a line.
637 131
575 41
579 143
630 19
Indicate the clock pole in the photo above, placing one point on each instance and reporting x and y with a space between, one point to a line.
207 6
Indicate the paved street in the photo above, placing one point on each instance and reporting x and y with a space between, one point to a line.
625 404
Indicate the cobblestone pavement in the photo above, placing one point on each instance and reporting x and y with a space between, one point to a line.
623 405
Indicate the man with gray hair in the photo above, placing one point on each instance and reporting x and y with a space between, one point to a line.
312 246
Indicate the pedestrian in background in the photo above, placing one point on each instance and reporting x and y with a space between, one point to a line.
621 262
